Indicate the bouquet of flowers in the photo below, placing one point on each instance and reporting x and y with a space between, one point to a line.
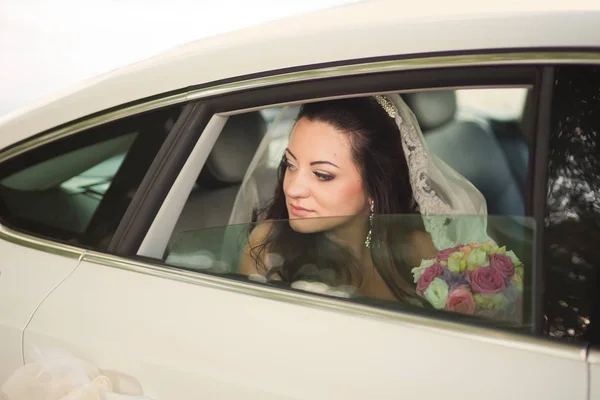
478 278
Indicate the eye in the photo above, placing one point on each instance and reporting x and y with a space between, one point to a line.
323 177
288 164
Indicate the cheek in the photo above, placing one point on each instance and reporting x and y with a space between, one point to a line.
285 182
345 198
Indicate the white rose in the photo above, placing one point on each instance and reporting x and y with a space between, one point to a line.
418 271
437 293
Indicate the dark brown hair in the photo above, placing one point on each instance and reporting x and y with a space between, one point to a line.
377 151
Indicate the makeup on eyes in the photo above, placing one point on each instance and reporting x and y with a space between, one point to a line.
287 163
325 177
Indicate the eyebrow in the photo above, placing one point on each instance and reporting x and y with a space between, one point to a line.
291 154
314 162
323 162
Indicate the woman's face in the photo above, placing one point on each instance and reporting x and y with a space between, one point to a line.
321 178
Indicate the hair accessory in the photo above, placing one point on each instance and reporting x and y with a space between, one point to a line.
387 105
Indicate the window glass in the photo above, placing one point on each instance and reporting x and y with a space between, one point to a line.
77 189
572 226
212 198
463 128
279 132
497 104
239 181
491 282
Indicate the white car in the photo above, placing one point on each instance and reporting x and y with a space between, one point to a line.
116 198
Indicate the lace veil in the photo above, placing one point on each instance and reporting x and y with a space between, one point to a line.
442 194
438 189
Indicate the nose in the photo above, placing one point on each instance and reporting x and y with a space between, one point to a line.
296 185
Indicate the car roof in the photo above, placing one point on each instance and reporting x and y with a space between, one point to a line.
364 30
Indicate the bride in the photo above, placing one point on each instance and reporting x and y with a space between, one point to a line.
364 199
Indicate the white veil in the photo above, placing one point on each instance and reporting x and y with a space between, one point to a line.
439 190
259 182
441 193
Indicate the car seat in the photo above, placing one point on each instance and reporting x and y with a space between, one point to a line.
211 201
471 147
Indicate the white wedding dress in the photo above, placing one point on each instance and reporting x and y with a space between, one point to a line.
55 374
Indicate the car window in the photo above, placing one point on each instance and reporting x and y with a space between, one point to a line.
240 177
76 189
572 225
493 154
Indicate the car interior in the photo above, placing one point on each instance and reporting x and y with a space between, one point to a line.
497 164
77 188
72 185
497 152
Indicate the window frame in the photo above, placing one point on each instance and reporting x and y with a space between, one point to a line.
37 150
361 85
538 177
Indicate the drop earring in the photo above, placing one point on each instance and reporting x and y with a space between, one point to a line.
369 238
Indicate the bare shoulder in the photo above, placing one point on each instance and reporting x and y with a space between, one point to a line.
423 245
260 233
248 264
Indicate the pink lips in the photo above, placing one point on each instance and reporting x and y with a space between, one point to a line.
298 211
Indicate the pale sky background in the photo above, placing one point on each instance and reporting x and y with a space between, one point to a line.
48 45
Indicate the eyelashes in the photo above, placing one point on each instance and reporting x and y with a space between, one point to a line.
323 177
288 164
320 176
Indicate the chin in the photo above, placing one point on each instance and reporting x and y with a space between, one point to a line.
316 224
306 225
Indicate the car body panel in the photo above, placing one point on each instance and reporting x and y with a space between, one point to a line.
594 373
165 338
27 276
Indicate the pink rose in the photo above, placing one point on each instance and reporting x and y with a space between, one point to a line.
461 300
486 280
443 255
428 275
502 264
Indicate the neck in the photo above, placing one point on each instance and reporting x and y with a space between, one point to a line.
353 234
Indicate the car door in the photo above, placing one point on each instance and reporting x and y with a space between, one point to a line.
57 199
166 330
20 295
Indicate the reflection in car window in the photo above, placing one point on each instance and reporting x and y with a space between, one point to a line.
77 189
572 232
466 274
97 179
